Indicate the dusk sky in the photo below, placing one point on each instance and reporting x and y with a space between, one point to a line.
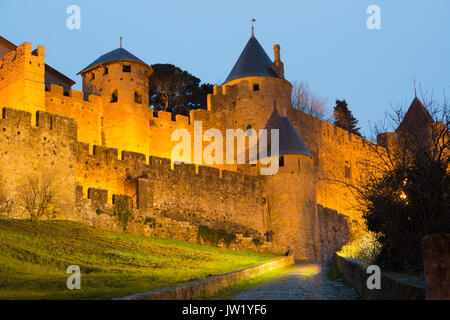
325 43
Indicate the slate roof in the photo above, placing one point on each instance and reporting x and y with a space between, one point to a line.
290 141
253 61
416 117
119 54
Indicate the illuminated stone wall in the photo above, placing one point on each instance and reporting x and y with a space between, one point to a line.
27 150
22 79
124 148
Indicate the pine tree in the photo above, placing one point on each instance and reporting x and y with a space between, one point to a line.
344 119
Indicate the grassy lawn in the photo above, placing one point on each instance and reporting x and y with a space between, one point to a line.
34 258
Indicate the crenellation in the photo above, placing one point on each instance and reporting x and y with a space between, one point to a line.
105 154
162 163
17 118
185 170
232 176
165 116
208 172
182 121
59 124
138 158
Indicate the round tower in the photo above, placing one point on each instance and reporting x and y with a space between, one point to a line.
259 86
121 79
292 219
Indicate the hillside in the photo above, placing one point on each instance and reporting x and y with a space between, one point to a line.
34 258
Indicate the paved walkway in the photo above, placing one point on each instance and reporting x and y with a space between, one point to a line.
303 281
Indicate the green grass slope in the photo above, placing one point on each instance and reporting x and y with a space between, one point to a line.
34 258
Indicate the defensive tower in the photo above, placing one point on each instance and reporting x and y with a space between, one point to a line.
121 79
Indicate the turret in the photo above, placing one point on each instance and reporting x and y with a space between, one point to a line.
121 79
259 83
291 194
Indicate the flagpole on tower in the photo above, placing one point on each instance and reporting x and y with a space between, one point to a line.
253 27
415 91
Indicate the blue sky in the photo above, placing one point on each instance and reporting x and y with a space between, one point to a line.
323 42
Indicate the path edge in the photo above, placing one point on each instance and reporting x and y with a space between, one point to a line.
213 284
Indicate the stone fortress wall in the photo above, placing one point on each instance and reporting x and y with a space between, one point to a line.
189 195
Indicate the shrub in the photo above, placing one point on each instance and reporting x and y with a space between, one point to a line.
257 241
215 236
151 222
122 210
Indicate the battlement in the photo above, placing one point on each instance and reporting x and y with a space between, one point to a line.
17 57
98 197
53 123
329 132
102 168
105 156
221 97
161 118
56 91
22 78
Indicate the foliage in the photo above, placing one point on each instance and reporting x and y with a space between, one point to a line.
6 203
122 210
258 241
215 236
333 272
34 258
407 193
363 246
344 119
151 222
407 204
306 101
39 195
174 90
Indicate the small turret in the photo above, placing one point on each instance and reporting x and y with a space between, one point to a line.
121 79
258 82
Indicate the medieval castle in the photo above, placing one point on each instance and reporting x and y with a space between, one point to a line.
106 141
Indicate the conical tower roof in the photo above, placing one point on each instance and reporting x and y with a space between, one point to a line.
417 116
119 54
252 62
290 141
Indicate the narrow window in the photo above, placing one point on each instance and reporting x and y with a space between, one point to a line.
281 161
137 97
106 70
126 68
92 76
249 127
114 96
348 172
256 87
298 164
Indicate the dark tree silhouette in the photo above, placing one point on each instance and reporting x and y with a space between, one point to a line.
344 119
174 90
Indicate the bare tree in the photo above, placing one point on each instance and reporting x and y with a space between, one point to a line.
306 101
6 203
404 193
39 195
